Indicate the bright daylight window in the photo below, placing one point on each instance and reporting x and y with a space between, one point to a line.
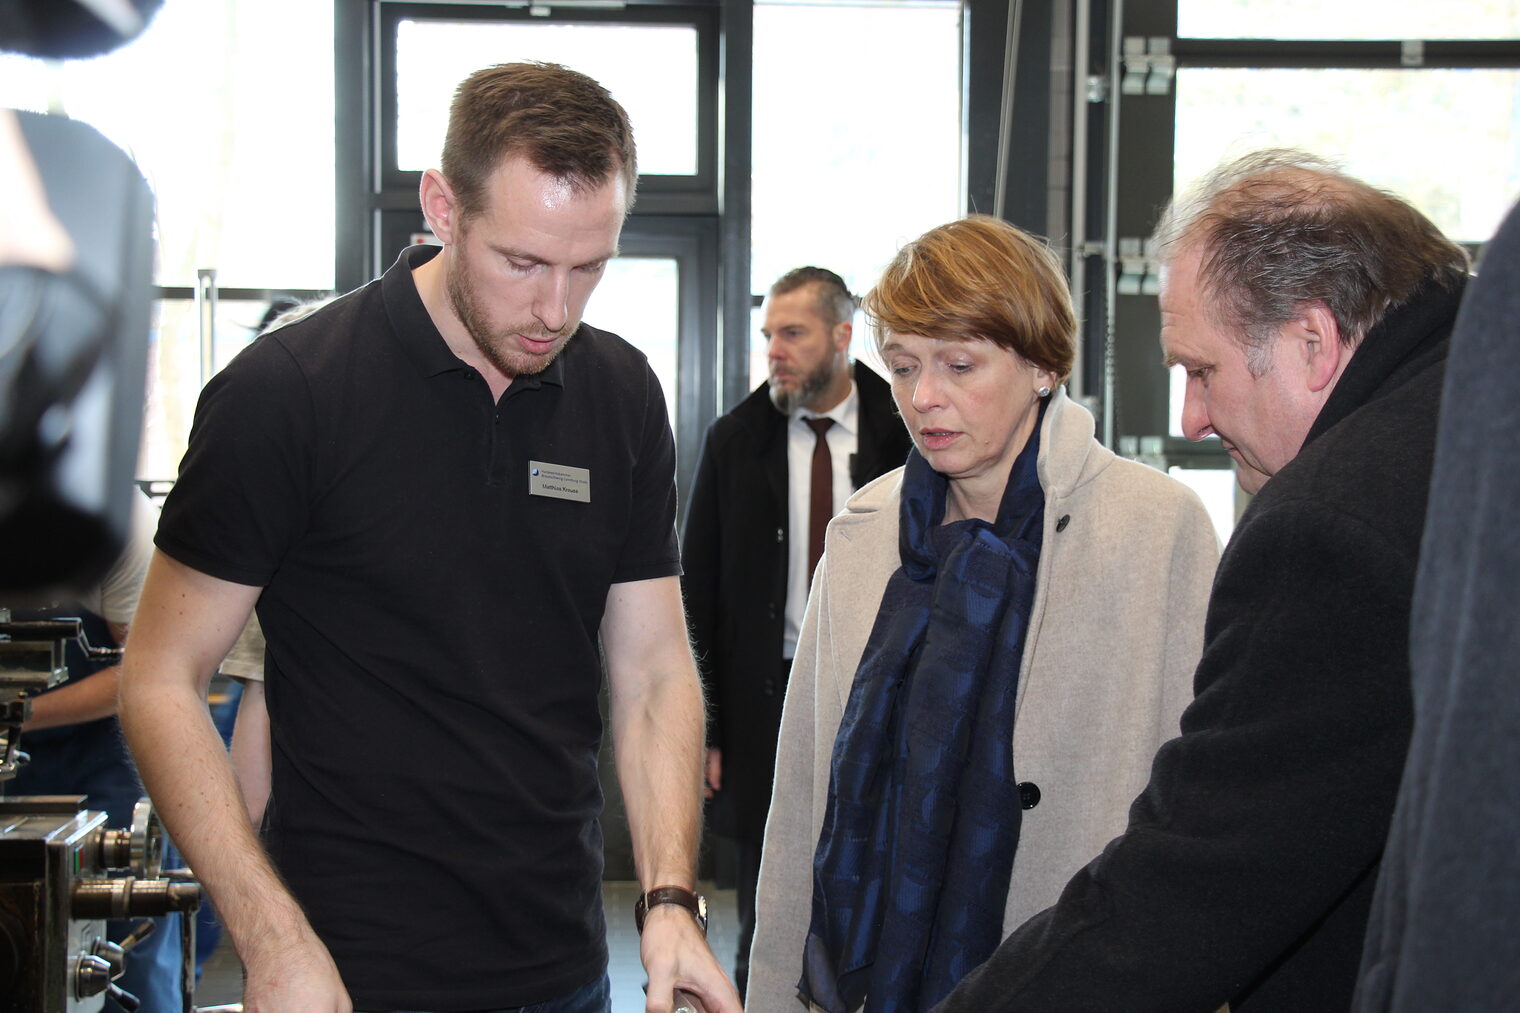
658 88
1444 139
226 106
1347 19
857 138
639 299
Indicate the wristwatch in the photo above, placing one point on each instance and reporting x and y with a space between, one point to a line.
695 903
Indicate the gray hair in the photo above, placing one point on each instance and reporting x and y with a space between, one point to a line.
1280 228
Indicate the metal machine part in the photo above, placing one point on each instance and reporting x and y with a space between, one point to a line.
63 872
56 966
32 661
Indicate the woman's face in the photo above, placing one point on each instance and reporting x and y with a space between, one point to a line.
969 405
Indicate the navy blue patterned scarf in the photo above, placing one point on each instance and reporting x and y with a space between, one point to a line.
910 878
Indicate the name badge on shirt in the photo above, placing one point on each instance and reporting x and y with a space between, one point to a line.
559 481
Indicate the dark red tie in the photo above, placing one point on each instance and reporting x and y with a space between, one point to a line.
821 499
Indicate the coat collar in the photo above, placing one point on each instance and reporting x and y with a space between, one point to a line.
1069 458
1407 339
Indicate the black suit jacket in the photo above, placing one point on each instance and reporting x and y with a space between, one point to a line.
734 552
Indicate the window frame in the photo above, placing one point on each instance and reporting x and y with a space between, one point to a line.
1141 402
658 193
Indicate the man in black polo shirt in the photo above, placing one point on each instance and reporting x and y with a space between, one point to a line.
443 492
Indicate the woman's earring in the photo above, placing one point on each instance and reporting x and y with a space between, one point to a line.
1043 392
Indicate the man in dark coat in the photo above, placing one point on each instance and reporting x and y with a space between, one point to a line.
1311 313
1445 927
750 544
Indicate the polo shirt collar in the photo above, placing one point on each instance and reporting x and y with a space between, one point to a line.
413 327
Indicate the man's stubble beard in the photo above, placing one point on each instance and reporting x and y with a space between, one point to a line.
497 346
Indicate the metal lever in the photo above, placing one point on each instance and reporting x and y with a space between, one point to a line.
126 1000
142 931
187 928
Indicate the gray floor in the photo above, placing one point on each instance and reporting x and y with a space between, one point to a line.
222 977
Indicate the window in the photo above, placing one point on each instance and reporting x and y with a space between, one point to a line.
175 373
1368 121
227 108
1220 494
659 61
1419 98
1347 19
857 137
639 297
659 89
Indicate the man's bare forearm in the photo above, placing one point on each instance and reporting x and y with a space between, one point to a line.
186 770
657 727
657 731
658 739
185 623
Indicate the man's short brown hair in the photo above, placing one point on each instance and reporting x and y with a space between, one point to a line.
564 123
979 277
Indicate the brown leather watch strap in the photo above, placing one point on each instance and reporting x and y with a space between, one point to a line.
677 895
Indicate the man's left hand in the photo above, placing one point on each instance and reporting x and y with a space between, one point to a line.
676 955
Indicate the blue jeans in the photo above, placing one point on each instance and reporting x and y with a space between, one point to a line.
595 997
153 967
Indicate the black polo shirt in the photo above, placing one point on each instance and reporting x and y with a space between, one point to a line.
432 627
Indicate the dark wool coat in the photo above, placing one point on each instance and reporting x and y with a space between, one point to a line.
734 550
1445 927
1247 869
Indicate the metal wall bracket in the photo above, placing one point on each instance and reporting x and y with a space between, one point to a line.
1149 65
545 10
1412 53
1147 450
1139 274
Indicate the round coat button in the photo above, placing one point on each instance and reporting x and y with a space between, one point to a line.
1029 794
